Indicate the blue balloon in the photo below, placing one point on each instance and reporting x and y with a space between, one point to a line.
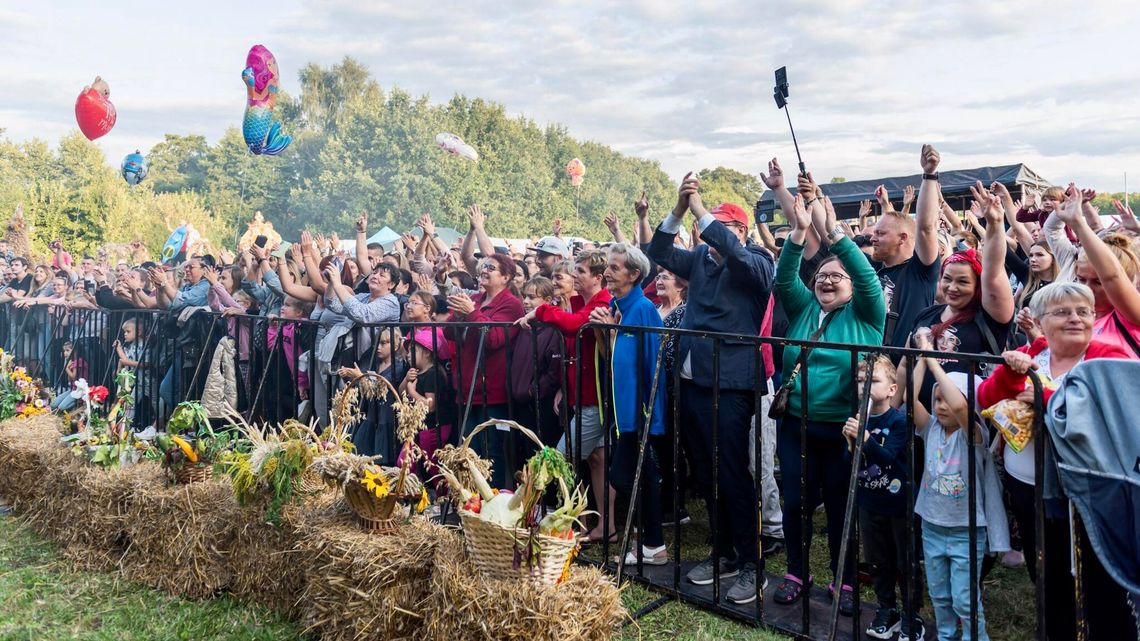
174 250
134 168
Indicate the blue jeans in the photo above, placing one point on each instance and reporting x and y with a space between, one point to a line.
947 551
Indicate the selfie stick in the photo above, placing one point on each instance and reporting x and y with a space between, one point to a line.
780 94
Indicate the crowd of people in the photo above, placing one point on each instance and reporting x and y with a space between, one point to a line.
480 333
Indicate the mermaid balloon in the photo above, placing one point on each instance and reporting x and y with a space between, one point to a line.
262 134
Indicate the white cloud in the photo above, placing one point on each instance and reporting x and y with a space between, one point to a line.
1048 83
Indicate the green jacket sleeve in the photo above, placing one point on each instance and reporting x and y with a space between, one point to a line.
792 292
866 292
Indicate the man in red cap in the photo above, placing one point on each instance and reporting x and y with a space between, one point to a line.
730 281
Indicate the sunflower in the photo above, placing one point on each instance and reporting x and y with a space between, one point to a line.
376 483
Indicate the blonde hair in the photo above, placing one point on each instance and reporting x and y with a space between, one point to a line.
1034 281
1121 247
1054 193
885 366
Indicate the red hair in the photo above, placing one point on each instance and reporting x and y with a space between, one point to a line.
970 258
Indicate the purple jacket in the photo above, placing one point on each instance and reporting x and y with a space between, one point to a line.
550 345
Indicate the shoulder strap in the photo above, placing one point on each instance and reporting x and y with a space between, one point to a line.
984 328
814 337
1127 335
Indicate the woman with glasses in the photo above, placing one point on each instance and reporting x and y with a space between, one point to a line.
845 305
1065 315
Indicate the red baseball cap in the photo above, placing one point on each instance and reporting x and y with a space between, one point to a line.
730 213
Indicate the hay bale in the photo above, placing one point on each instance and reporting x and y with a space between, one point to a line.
466 606
24 446
267 561
182 537
97 535
366 586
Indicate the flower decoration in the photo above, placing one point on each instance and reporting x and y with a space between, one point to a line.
98 394
375 482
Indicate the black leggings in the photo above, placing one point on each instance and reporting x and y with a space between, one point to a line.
827 476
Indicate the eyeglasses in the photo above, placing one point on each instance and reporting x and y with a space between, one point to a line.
833 277
1083 313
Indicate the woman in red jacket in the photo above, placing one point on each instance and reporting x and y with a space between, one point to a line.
493 304
1065 313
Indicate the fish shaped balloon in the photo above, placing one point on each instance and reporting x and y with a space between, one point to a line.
181 242
134 168
262 80
455 146
93 109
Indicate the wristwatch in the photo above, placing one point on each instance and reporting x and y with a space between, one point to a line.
834 234
933 176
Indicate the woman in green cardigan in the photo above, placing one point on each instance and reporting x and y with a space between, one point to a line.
847 296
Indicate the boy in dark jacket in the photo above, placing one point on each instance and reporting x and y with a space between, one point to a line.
536 371
882 500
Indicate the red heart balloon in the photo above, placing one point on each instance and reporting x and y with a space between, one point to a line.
94 113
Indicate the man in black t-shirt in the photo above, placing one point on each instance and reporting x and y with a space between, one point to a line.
21 279
905 255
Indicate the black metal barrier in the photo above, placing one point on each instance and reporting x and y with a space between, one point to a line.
286 368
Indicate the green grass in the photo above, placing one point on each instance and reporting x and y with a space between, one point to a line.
42 598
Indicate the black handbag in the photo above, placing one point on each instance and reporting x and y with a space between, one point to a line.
779 405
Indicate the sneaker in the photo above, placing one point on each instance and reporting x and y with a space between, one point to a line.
789 590
846 599
148 434
744 589
885 625
681 517
915 631
703 573
649 556
771 545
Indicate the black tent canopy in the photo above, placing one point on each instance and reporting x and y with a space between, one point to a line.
846 196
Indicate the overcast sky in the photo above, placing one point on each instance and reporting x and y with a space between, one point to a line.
1055 85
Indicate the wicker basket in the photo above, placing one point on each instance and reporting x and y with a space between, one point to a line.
192 473
382 514
492 547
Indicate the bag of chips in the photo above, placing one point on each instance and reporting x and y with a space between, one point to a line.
1014 419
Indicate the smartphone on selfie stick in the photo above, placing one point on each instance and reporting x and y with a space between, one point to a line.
780 95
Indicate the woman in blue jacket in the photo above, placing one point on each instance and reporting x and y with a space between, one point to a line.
633 361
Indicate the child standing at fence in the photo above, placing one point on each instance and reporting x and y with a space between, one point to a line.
944 498
883 510
130 352
374 434
427 381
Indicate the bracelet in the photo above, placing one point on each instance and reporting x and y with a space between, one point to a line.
810 202
933 176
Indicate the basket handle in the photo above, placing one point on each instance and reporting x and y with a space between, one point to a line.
358 380
501 421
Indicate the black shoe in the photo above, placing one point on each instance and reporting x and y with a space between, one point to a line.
886 623
912 631
846 599
682 516
771 545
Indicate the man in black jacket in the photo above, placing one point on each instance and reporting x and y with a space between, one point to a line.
730 280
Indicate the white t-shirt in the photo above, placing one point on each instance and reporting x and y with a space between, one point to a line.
1019 465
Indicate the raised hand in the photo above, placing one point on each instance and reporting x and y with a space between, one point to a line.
210 274
1127 218
775 177
1030 200
929 159
334 242
426 224
884 198
829 217
689 186
557 228
612 224
989 204
475 217
1069 210
799 218
805 184
864 211
362 223
908 195
641 205
1088 194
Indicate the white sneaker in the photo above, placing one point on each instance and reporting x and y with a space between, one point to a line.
147 435
649 556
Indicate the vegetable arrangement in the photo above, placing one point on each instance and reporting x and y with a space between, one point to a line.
106 439
272 462
190 441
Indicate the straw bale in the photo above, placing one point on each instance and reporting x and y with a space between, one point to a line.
25 446
267 563
464 605
182 537
360 585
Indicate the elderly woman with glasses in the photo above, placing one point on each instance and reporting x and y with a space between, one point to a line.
1066 314
481 361
844 305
